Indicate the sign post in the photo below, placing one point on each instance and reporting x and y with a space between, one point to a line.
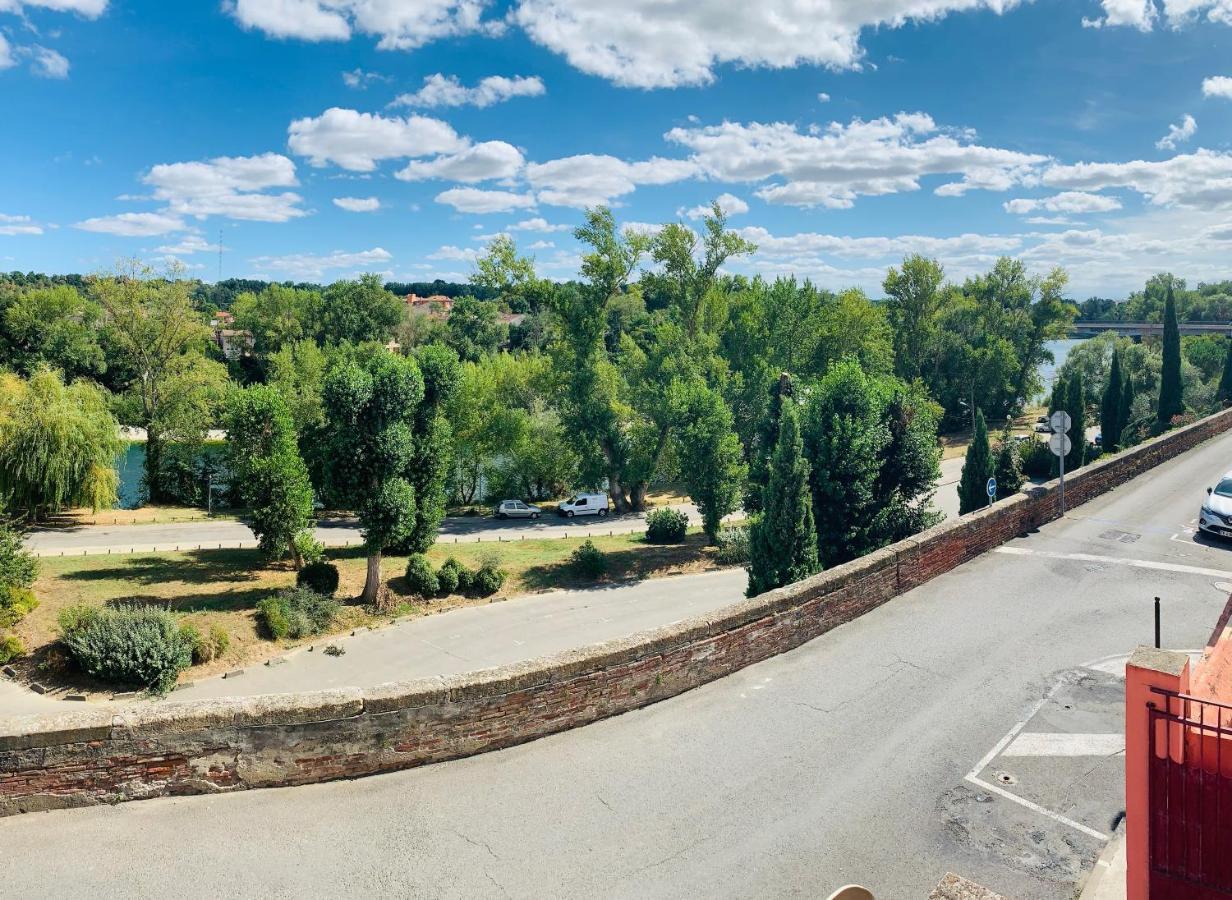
992 490
1061 445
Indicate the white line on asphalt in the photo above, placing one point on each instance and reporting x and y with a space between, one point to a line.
1063 744
1135 563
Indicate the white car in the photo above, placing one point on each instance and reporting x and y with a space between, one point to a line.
584 505
516 509
1216 514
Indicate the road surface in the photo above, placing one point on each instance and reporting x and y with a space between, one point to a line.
843 760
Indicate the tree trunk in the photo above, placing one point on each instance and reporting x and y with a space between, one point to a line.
616 491
372 585
637 496
153 458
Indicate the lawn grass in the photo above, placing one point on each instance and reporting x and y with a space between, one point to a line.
221 587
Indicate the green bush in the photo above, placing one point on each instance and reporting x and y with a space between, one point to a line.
666 526
319 576
221 639
11 648
1037 460
488 580
421 577
449 576
295 613
129 645
18 567
202 649
309 548
732 545
588 561
15 604
75 618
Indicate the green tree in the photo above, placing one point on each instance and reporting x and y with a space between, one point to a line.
911 306
428 471
58 445
1170 397
782 539
277 316
1224 393
511 279
1125 410
297 371
1008 467
58 327
371 410
267 470
474 328
977 468
709 455
765 439
1076 406
358 311
1110 424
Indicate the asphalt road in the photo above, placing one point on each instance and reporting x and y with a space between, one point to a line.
846 759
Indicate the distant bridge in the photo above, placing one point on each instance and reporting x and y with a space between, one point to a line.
1139 330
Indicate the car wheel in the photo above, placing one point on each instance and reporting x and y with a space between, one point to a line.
602 512
501 516
569 514
534 515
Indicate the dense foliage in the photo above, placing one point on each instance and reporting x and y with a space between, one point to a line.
127 645
977 468
666 526
296 613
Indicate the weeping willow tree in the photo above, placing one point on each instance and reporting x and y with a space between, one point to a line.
58 445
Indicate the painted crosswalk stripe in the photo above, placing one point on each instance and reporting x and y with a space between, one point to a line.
1064 744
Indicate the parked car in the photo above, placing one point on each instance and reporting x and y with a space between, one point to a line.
1216 514
1043 426
516 509
584 505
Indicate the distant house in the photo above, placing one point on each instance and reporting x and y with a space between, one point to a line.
233 343
512 319
438 306
222 319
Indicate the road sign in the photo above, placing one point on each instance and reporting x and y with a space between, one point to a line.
1060 444
1060 422
992 488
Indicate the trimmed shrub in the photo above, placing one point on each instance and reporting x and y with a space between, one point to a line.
130 645
309 548
487 580
588 561
15 604
666 526
295 613
221 639
449 576
421 577
11 648
202 649
732 546
319 576
1037 460
18 567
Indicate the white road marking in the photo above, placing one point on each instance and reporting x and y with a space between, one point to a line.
1115 665
1114 560
1064 744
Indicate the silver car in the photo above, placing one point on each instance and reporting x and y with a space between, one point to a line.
1216 514
516 509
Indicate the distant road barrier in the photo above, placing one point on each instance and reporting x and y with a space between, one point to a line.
98 754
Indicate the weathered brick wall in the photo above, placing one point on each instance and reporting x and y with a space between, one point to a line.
97 755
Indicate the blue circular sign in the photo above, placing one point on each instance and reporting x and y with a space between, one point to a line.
992 487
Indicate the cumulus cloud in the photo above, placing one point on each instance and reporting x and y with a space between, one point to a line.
312 267
358 141
729 203
805 244
188 245
7 58
91 9
1140 14
833 166
15 225
647 43
537 224
231 186
359 79
460 254
491 159
446 90
143 224
400 24
358 204
1198 180
590 179
1217 86
1066 202
475 200
1177 134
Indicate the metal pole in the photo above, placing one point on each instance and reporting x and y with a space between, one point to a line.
1061 488
1157 641
209 493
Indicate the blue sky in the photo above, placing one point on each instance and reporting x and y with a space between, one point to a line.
322 138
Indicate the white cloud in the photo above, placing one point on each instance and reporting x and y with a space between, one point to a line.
823 97
648 43
806 244
541 245
48 63
310 267
729 203
1050 220
188 245
1066 202
1198 180
1140 14
143 224
359 79
537 224
1217 86
400 24
91 9
833 166
589 179
446 90
474 200
357 141
7 59
358 204
460 254
491 159
15 225
231 186
1178 133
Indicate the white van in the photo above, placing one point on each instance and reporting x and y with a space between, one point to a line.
584 505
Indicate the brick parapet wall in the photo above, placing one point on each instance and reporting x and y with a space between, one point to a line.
96 755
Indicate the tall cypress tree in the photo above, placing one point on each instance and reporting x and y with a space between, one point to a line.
1075 405
977 468
782 540
1126 411
1110 424
1170 401
1224 394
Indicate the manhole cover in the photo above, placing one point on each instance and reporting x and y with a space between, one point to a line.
1005 778
1122 537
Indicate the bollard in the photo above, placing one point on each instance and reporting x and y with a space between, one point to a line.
1157 641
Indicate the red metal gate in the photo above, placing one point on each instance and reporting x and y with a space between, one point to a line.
1190 798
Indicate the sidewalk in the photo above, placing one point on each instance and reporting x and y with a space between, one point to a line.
1107 879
